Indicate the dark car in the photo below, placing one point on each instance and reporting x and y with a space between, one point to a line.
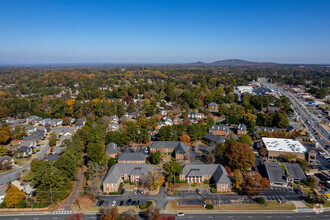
134 202
198 191
121 203
129 202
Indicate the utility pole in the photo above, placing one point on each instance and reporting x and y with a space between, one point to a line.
219 201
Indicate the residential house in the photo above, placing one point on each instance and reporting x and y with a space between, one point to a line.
80 122
114 119
241 130
275 174
30 129
128 157
271 109
216 173
164 112
177 147
28 143
213 107
195 115
24 151
6 162
53 156
114 126
112 150
220 130
124 172
56 122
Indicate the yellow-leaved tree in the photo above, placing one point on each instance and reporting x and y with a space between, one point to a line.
13 196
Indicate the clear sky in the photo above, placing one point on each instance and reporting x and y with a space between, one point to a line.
164 31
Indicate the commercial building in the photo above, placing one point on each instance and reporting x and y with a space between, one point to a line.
177 147
280 147
275 174
198 173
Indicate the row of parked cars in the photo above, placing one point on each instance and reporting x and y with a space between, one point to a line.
129 202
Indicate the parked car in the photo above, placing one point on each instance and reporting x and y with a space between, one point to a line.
129 202
113 203
142 191
198 191
180 214
134 191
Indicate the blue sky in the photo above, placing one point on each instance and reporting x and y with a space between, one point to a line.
164 31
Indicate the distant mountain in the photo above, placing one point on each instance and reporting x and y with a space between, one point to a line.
233 62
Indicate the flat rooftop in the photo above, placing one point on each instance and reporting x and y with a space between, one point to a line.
283 145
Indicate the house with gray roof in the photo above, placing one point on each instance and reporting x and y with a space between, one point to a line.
198 173
294 172
211 138
124 172
177 147
112 150
241 130
220 130
275 174
80 122
129 157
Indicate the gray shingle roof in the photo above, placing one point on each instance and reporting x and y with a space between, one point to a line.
275 172
132 157
219 127
218 172
214 138
112 148
242 127
177 146
294 170
120 169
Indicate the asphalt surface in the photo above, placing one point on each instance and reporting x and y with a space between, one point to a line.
312 123
15 174
243 216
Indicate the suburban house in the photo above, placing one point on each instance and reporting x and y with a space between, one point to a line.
213 107
294 172
28 143
241 130
112 149
114 126
177 147
24 151
131 158
164 112
220 130
195 115
279 147
214 139
6 162
124 172
268 129
80 122
271 109
53 156
198 173
30 129
275 174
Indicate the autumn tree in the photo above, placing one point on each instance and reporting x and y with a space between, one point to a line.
153 180
108 213
129 215
3 150
185 139
255 183
52 139
4 135
238 179
66 120
240 156
13 196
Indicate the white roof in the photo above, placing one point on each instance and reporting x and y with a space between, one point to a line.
284 145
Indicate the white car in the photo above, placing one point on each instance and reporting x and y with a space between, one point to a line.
326 157
113 203
180 214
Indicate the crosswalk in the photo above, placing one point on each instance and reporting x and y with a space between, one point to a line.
274 198
304 209
62 212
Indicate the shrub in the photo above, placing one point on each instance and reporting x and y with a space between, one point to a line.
22 204
213 190
142 206
194 184
131 183
209 206
175 192
207 181
149 204
40 205
260 200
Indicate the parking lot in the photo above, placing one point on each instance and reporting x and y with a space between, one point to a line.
283 189
113 201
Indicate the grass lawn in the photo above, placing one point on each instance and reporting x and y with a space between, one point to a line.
128 186
24 161
311 206
190 186
270 205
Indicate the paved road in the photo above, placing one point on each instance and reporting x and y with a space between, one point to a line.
229 216
15 174
312 123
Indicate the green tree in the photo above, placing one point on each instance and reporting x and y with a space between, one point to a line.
3 150
156 157
282 120
246 139
173 168
111 162
96 152
19 132
144 136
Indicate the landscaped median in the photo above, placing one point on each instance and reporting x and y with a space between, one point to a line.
173 207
